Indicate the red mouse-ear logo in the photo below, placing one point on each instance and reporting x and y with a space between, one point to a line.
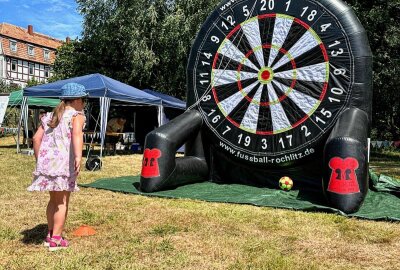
150 163
343 178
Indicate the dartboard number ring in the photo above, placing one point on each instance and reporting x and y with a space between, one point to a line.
271 77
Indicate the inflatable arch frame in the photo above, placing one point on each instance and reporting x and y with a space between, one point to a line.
275 88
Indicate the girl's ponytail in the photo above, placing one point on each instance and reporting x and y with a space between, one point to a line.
57 114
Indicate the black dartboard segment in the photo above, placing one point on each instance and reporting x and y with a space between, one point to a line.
270 77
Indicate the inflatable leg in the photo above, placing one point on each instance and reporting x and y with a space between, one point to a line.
346 161
160 168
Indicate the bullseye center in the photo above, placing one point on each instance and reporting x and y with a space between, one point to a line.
265 75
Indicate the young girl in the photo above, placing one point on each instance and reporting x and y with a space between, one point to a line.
58 150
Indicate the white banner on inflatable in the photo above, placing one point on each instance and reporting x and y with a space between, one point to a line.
3 107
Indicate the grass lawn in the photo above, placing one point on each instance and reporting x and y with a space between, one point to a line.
138 232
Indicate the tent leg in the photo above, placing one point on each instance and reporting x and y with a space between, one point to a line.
161 116
22 113
26 116
104 108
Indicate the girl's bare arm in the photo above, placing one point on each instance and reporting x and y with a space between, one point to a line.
37 140
77 140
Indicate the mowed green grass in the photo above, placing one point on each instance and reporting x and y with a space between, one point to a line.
138 232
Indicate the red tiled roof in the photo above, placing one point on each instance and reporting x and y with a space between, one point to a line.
23 39
22 52
20 33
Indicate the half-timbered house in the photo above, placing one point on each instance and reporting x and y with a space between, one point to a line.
25 54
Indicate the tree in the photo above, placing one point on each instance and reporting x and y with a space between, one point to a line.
142 43
146 44
70 61
380 18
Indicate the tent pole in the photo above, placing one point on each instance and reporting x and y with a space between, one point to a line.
134 123
26 124
160 115
21 117
104 108
101 126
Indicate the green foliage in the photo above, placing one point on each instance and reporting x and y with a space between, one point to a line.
8 88
67 63
380 19
147 44
12 114
33 82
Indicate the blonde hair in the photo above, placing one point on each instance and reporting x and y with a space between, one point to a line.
57 114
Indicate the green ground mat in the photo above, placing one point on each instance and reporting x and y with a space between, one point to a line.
381 203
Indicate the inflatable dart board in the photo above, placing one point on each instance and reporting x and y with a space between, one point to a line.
276 88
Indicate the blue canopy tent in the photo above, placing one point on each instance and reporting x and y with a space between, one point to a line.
167 101
98 86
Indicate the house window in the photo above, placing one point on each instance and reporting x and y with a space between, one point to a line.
31 50
46 72
13 65
13 45
31 69
46 54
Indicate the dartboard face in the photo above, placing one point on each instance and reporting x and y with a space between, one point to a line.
271 77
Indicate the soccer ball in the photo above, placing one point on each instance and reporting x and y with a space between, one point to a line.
285 183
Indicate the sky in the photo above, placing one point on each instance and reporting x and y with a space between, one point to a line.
56 18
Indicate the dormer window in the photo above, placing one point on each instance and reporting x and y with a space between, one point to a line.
13 45
46 54
31 50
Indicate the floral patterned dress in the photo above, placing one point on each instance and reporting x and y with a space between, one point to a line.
55 164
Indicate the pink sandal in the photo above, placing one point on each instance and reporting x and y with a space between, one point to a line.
46 241
56 244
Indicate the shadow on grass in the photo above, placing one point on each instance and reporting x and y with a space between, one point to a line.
105 154
9 146
312 197
35 235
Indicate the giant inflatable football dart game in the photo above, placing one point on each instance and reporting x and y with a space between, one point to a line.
275 88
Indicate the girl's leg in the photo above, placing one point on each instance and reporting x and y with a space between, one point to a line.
61 201
50 219
50 211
